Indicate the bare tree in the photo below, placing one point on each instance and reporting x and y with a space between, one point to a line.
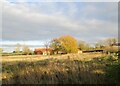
47 44
17 49
111 41
83 45
26 50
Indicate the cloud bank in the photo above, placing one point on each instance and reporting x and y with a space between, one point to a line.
41 21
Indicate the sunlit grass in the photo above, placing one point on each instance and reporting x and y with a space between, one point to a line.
65 69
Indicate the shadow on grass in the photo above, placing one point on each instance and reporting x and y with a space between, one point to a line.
53 71
113 73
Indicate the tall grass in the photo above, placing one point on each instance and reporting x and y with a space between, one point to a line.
59 71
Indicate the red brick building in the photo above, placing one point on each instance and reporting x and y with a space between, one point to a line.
43 51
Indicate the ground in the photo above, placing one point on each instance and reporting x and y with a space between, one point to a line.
86 68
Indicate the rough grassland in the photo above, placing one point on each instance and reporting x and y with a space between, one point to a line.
61 69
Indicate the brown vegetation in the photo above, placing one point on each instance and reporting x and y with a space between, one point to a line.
61 69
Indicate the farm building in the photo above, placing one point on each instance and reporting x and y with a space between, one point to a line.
90 51
43 51
48 51
60 52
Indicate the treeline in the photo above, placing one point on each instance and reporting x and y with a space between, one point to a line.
19 50
23 49
69 44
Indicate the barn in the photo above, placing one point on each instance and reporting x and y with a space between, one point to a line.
43 51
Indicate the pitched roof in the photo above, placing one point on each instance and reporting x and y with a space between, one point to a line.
42 49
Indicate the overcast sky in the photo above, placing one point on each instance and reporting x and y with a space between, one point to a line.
34 23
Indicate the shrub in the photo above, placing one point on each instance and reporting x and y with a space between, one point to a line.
113 73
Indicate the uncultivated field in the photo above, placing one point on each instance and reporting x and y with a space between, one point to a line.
89 68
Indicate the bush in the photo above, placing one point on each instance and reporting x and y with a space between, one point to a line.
113 73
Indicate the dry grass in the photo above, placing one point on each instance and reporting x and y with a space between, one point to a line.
84 56
63 69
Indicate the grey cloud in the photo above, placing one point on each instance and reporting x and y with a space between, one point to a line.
22 23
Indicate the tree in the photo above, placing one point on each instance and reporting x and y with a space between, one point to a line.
1 50
69 43
26 50
108 44
83 45
56 45
47 45
111 41
17 49
100 44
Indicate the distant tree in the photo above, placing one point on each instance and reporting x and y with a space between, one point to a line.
69 43
108 44
65 43
111 41
100 44
17 49
1 50
83 45
26 50
56 45
47 45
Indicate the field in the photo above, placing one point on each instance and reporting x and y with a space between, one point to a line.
88 68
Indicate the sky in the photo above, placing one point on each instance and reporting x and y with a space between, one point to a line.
33 23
